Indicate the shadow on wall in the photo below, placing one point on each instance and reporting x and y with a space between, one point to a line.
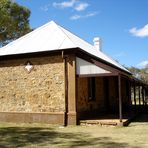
40 137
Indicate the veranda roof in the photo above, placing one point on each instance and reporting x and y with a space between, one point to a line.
50 37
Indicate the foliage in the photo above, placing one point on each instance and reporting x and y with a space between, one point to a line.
141 74
14 21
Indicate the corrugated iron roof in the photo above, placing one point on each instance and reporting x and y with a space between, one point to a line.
50 37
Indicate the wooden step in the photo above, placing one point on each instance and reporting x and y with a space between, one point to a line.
97 122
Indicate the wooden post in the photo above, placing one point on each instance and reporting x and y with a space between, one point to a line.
139 96
134 95
71 67
66 90
120 98
143 95
129 94
130 98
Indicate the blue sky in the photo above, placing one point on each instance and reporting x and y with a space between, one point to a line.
121 24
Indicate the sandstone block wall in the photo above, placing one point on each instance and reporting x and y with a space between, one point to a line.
125 94
83 103
82 94
113 93
100 103
41 90
100 96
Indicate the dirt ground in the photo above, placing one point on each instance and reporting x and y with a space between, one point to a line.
55 136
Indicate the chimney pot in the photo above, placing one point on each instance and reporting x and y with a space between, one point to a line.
97 43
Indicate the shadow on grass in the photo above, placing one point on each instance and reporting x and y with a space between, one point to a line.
25 137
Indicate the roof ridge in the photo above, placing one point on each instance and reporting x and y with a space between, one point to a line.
26 35
74 35
60 28
115 62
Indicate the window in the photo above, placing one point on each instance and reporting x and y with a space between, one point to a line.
91 89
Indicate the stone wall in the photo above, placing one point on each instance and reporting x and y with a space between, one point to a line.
41 90
83 103
82 93
113 93
100 96
125 94
104 95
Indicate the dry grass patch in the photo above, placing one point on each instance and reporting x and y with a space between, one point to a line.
44 135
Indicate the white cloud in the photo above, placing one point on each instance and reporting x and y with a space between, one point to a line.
75 4
121 54
81 6
64 4
46 7
142 32
91 14
143 64
76 17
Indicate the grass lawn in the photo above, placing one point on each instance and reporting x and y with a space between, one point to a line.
49 136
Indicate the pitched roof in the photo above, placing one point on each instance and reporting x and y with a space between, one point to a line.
50 37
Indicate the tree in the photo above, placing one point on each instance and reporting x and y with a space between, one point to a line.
141 74
14 21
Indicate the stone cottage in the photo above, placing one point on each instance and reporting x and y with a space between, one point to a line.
52 76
